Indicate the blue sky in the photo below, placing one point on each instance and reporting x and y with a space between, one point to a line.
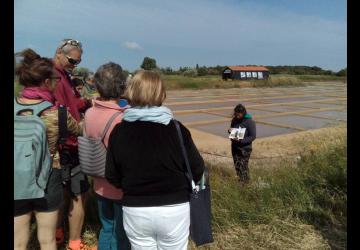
186 33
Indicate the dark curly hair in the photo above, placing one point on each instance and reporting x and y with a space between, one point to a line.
33 69
239 109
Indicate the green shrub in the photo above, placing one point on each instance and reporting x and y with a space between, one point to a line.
190 72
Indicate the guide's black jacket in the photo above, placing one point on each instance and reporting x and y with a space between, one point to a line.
250 133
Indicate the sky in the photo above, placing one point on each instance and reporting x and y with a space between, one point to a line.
187 32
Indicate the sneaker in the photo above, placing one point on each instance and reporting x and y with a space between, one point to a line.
82 246
59 236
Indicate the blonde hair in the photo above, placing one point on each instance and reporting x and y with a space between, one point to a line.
145 89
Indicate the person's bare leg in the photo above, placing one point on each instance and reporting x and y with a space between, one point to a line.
46 227
21 231
76 216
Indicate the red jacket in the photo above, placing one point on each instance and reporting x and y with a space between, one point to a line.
67 95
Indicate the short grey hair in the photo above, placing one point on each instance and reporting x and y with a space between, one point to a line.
66 47
109 81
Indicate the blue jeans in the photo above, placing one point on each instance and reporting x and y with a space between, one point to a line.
112 235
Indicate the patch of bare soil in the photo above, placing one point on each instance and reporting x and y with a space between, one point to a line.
268 151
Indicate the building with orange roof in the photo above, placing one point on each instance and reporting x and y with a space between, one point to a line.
245 73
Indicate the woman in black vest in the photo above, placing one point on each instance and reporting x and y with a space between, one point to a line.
241 148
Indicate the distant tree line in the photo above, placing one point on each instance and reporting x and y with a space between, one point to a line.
150 64
217 70
304 70
194 71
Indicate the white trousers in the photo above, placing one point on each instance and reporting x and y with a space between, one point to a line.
158 228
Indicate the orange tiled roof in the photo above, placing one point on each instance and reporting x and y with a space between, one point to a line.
248 68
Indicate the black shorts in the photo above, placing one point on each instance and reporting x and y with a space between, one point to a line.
52 201
78 183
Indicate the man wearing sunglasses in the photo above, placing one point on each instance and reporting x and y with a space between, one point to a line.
67 57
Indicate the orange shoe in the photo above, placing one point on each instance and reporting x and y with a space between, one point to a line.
59 236
79 245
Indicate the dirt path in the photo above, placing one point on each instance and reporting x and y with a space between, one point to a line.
270 150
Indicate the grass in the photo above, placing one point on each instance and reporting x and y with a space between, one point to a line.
301 206
283 206
199 82
309 78
214 81
278 81
173 82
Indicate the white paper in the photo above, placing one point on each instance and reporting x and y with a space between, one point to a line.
237 133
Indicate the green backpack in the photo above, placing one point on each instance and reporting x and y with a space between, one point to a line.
32 159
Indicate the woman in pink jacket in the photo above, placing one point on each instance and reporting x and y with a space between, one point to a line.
110 83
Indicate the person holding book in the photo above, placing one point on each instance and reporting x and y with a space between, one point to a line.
242 133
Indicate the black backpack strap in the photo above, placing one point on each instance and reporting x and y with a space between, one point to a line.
62 123
185 156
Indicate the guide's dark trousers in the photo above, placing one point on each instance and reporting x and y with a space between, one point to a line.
241 162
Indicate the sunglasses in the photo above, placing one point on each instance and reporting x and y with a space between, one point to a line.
73 61
71 42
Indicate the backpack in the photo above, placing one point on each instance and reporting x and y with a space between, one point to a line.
92 152
32 159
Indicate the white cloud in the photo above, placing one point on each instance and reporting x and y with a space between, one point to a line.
132 45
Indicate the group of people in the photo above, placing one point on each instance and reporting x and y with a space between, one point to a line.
143 199
84 86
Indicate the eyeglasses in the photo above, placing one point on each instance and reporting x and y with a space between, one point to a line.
73 61
71 42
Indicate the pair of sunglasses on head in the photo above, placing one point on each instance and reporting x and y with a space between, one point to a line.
74 43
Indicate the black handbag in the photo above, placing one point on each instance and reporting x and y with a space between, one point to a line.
200 204
69 157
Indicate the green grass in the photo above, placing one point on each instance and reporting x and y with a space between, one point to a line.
203 82
312 193
309 78
215 81
278 81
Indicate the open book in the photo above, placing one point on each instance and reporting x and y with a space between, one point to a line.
237 133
